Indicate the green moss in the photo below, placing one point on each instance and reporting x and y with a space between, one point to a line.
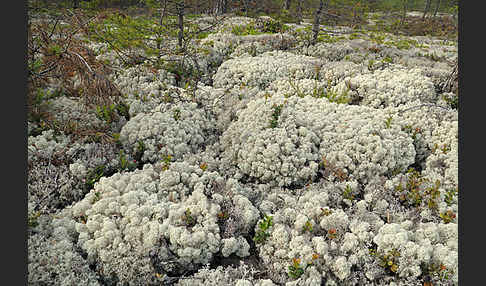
354 36
245 30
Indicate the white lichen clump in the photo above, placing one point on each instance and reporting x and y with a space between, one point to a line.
392 87
283 140
53 258
323 239
169 130
423 244
260 71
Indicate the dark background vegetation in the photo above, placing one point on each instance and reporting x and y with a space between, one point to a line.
65 55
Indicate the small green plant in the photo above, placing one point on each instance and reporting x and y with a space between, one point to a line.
54 50
222 216
106 113
267 96
432 195
436 270
188 219
388 122
296 89
167 98
96 198
307 226
318 91
418 191
372 251
203 35
326 211
371 63
94 176
277 109
413 131
348 193
449 196
326 38
274 26
253 50
116 139
245 30
445 148
296 269
452 100
177 114
402 44
388 59
32 219
448 216
122 109
339 98
167 159
389 261
140 150
332 233
261 234
125 164
412 188
354 36
378 38
203 166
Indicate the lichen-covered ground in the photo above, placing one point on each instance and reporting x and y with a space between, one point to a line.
289 164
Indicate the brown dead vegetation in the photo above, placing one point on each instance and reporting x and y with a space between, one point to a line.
58 58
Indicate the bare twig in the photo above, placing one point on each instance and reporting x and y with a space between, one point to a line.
85 63
422 105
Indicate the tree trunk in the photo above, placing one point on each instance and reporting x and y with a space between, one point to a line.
180 17
437 8
75 4
161 20
427 8
315 27
405 9
245 6
287 4
225 6
221 7
299 11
